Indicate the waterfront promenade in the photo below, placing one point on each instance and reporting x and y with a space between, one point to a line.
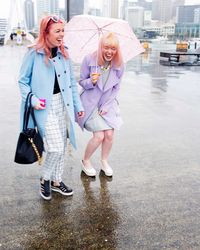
153 200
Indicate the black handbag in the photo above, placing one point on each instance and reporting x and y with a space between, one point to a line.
30 144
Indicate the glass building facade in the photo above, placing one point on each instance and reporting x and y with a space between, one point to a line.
187 31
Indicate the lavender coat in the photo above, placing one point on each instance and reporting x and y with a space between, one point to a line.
97 96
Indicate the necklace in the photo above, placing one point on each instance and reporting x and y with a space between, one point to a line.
105 67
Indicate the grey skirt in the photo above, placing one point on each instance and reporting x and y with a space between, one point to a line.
96 122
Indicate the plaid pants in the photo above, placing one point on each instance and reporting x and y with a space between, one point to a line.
56 140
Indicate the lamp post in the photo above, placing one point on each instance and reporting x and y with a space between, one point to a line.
68 9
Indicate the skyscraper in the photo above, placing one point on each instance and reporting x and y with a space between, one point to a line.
3 29
75 7
43 8
161 10
123 9
135 16
187 14
197 15
54 7
144 4
175 4
29 14
46 7
111 8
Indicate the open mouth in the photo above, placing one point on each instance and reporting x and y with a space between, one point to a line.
109 57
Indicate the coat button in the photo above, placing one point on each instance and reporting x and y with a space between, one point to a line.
63 90
58 75
54 60
67 104
59 57
65 72
70 86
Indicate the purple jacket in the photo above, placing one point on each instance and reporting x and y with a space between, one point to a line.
97 96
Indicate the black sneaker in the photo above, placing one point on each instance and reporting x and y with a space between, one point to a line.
45 190
62 189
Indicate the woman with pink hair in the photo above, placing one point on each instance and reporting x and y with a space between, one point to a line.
100 77
47 72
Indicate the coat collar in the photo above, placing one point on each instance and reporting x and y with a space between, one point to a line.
41 51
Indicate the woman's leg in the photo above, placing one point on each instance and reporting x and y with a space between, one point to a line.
55 147
93 144
106 147
62 121
107 144
54 154
56 136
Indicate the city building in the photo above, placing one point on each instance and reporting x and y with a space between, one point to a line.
46 7
135 16
146 5
186 14
43 7
110 8
3 29
175 4
163 30
54 7
186 31
147 17
197 15
94 12
72 8
162 10
29 14
123 9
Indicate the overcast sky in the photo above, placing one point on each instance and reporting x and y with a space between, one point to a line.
5 5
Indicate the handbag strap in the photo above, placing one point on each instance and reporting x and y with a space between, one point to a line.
33 116
28 110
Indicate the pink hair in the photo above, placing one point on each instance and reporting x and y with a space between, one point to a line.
111 39
41 42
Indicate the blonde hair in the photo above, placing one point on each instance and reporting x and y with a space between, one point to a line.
112 40
41 42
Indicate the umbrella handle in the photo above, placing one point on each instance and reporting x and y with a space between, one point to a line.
96 61
97 51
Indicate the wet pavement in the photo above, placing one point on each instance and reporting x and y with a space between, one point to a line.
153 200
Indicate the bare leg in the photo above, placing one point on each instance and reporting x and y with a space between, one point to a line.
93 144
107 143
106 147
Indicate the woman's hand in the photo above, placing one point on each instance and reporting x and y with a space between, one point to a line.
94 78
81 114
101 112
39 105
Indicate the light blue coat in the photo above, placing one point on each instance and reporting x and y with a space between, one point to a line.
38 77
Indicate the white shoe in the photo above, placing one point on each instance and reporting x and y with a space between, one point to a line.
88 168
106 168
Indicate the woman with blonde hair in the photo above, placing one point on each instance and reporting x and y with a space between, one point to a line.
47 72
100 77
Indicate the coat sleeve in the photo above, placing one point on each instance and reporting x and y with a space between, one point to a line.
75 95
85 80
25 76
115 90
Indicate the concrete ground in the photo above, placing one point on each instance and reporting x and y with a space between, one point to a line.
153 200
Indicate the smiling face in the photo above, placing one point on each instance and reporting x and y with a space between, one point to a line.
109 51
55 35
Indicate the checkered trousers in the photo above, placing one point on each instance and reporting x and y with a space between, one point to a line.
56 140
